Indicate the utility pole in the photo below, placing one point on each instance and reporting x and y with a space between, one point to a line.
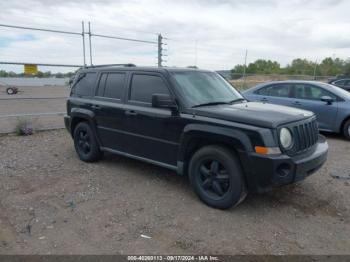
195 53
83 35
160 50
90 43
245 66
315 69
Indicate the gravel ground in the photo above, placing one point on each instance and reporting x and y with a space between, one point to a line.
52 99
52 203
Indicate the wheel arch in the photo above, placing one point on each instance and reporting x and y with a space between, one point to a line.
196 136
79 115
346 119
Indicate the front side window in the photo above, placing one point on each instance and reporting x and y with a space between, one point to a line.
310 92
144 86
199 88
84 84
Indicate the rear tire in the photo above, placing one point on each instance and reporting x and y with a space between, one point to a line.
85 143
346 130
216 177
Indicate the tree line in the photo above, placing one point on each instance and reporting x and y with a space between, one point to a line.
40 74
327 67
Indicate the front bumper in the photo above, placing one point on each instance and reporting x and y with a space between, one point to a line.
267 172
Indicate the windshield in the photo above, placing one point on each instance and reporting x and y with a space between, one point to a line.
205 87
337 90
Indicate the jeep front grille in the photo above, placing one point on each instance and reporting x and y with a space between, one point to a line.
305 135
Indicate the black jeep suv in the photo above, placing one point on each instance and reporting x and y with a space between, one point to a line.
194 122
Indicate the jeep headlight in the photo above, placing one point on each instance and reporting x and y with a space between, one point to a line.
286 138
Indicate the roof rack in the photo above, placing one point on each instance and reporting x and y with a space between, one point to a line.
95 66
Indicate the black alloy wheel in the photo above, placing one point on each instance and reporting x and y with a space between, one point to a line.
216 176
213 178
85 143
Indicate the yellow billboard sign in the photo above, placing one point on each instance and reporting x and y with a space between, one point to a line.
30 69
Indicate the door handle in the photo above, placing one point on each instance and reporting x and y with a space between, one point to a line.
264 99
96 107
130 112
297 103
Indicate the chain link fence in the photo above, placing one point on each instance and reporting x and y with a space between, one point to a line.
243 82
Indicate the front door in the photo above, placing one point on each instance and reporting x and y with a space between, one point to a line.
308 97
154 133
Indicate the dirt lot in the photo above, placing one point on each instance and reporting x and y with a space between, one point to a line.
52 203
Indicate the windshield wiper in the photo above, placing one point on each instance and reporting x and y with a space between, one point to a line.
220 103
211 104
237 100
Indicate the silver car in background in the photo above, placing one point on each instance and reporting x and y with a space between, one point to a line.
331 104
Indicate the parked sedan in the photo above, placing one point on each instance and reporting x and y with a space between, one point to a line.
331 104
342 83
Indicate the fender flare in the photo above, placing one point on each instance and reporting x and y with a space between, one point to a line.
238 138
87 115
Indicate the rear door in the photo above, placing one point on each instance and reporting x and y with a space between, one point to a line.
109 109
154 133
279 93
308 97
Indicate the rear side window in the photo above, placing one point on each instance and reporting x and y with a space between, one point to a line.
275 90
111 85
101 85
114 85
85 84
144 86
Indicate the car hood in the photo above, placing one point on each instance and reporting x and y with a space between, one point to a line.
254 113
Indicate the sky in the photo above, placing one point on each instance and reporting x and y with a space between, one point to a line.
212 34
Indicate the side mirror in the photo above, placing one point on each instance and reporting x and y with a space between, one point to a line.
327 99
163 101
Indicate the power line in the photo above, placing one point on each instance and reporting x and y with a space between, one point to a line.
124 38
39 64
41 29
82 34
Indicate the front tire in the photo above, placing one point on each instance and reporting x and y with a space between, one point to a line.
85 143
346 130
216 177
11 91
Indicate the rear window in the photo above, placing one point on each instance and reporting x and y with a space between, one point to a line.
85 84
